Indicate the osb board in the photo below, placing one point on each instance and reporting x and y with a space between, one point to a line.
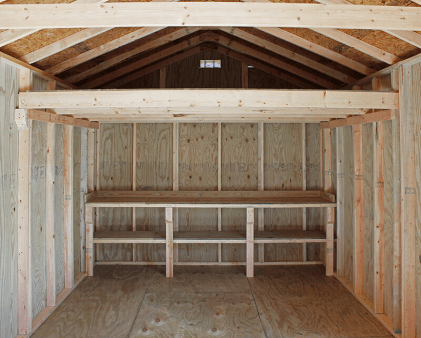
9 87
313 182
348 140
261 80
187 73
115 174
368 198
37 209
283 170
198 170
154 171
239 172
416 104
76 198
389 215
58 207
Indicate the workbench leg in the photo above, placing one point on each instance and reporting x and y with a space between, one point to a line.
250 242
169 241
89 254
330 225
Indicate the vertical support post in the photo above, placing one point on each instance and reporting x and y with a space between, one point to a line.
98 186
397 245
176 130
169 241
219 185
340 244
49 197
327 179
162 77
261 183
82 192
304 170
358 211
134 151
409 197
68 208
24 223
378 211
250 242
89 252
244 76
330 224
91 161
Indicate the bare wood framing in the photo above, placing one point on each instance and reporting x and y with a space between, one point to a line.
37 115
219 185
379 116
68 207
330 225
340 173
134 164
261 183
378 211
175 179
24 225
89 241
165 98
42 16
358 217
169 241
250 242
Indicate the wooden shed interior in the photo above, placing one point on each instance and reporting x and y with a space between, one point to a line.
201 169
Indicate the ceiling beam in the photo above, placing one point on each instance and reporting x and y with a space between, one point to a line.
289 54
317 49
411 37
181 14
13 35
218 110
102 49
62 44
187 119
124 56
360 45
184 98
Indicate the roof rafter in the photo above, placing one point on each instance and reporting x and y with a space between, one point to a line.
209 37
122 57
105 48
146 14
358 45
289 54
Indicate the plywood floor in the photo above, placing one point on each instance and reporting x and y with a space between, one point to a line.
139 301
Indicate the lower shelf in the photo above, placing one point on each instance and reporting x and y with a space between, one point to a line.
281 236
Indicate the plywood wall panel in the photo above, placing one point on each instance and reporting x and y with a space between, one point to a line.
239 172
58 207
153 172
283 171
9 85
198 170
348 205
116 174
313 182
368 196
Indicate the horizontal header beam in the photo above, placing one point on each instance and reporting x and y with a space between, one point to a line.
211 98
209 14
38 115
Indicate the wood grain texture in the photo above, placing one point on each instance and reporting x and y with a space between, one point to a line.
368 191
313 182
9 86
58 207
77 147
101 306
153 172
198 315
198 170
283 171
302 302
348 208
239 172
115 162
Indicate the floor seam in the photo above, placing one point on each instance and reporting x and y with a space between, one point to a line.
257 309
141 303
